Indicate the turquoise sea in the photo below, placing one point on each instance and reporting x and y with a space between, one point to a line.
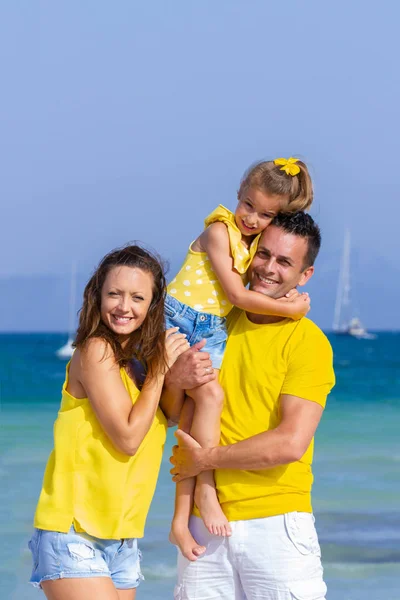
357 469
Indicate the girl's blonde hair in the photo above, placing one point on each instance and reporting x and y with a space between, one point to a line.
269 178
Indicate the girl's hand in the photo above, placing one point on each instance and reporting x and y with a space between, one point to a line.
175 344
300 304
291 294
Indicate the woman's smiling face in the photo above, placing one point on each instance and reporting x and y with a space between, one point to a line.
126 296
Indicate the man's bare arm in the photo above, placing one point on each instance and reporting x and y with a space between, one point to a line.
285 444
191 369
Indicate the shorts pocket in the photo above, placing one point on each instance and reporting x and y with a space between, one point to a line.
33 546
301 532
216 337
178 592
313 589
140 576
169 312
81 551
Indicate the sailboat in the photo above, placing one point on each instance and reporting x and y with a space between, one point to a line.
66 351
353 325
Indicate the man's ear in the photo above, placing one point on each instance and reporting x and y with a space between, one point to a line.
305 276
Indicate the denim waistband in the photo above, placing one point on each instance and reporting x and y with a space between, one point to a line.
183 310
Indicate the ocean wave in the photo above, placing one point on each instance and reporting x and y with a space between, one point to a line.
21 457
359 554
159 571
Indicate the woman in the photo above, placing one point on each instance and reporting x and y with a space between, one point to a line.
108 436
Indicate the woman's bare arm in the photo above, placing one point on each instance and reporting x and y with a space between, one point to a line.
125 424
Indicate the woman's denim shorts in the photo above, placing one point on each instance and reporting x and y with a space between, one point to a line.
74 555
198 326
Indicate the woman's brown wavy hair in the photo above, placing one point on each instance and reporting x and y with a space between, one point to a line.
146 343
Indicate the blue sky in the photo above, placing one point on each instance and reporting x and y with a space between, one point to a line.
131 121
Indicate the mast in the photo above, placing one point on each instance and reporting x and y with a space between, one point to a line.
72 302
343 289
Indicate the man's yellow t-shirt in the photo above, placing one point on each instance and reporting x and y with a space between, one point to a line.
261 363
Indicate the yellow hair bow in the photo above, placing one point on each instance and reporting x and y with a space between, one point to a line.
288 165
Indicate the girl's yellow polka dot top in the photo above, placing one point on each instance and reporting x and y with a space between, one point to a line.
196 283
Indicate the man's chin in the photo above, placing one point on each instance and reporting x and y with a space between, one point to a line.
269 291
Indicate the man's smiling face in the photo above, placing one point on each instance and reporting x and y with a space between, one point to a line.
280 263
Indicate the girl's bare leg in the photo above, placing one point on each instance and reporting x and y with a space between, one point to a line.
205 429
180 534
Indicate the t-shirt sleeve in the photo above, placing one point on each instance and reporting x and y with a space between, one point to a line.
309 372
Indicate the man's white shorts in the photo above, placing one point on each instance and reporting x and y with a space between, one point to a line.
276 558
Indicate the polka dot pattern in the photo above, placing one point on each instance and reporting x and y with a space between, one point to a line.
197 286
196 283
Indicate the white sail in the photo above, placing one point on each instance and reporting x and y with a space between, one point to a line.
343 321
66 351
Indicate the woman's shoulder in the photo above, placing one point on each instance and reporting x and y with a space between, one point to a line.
94 352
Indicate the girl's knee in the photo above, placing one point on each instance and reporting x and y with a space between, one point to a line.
210 395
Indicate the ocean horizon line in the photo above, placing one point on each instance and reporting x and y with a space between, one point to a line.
66 333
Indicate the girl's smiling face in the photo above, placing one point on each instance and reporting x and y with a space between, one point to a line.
256 209
126 296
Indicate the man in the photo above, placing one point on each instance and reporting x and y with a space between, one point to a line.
276 375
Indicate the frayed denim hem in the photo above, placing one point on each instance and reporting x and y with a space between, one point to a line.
69 575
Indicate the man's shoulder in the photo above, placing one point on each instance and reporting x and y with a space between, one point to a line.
307 332
308 327
302 331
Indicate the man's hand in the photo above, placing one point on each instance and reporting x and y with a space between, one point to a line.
192 368
186 458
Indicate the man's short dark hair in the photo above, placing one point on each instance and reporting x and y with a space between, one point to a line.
303 225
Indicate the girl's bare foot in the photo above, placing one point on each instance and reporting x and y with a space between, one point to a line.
180 536
210 509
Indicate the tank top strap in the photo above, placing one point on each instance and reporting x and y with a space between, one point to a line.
242 256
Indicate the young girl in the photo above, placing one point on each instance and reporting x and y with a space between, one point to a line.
108 436
210 282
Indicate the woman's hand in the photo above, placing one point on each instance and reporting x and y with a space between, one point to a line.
175 344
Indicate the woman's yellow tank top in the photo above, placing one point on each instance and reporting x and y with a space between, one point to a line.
196 283
92 485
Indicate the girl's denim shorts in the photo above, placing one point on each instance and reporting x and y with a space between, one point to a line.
198 326
74 555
